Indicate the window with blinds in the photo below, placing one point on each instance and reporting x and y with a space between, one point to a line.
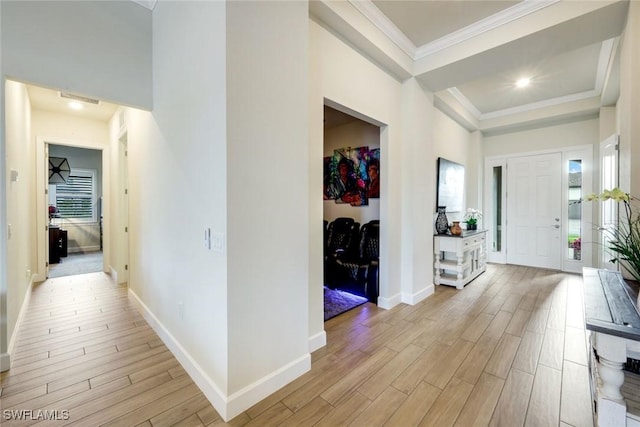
76 198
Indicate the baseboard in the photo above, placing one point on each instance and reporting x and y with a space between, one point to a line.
389 303
413 299
227 406
5 362
213 393
114 275
247 397
317 341
21 314
83 249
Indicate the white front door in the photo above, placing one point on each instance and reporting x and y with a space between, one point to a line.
534 211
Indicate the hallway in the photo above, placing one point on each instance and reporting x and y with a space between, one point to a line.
85 352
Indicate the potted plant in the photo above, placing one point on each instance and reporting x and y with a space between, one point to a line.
577 248
624 237
471 217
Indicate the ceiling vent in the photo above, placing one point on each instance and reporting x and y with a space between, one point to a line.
79 98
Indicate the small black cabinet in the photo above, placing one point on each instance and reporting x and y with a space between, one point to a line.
57 244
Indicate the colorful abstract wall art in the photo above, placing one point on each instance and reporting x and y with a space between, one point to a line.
352 175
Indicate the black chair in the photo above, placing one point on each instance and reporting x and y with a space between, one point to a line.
358 272
341 240
342 233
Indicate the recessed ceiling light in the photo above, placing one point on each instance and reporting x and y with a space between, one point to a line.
75 105
523 82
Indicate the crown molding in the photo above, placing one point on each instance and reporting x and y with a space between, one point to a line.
607 52
384 24
541 104
520 10
464 101
149 4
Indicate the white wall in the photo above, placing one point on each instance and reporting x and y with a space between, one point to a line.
608 122
267 181
354 134
455 143
628 107
540 139
94 48
177 170
418 191
20 204
4 335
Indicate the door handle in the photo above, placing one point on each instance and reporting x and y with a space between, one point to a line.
556 226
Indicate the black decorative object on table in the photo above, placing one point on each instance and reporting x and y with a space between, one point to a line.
442 223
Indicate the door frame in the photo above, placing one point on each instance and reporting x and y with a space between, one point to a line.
589 175
42 216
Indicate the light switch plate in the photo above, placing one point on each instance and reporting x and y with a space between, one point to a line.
218 242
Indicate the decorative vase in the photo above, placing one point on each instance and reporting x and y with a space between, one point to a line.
456 230
442 223
472 226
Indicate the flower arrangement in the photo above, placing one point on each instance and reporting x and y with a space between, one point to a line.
471 217
577 244
624 239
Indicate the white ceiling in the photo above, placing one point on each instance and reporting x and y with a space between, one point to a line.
50 100
471 52
424 22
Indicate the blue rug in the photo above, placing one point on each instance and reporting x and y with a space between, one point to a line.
337 302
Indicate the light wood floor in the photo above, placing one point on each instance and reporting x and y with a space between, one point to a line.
507 350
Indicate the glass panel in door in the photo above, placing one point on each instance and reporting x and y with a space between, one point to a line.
574 211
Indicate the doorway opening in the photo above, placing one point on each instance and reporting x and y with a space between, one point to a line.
75 211
351 211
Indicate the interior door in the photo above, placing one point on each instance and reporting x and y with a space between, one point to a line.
123 234
534 211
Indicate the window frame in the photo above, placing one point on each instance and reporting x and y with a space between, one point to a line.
85 173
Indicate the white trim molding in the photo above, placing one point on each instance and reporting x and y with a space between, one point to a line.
5 358
227 406
384 24
413 299
389 303
21 314
5 362
607 51
317 341
489 23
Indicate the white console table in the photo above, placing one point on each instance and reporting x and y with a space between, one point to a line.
613 323
459 259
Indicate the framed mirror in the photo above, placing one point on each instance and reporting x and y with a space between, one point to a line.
450 190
